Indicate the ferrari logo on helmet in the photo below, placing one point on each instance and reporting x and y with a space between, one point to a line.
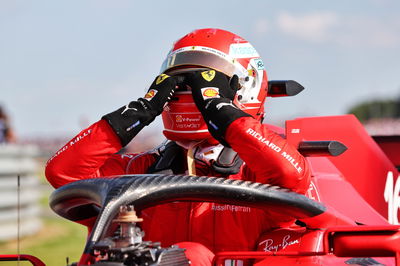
150 94
161 78
210 92
208 75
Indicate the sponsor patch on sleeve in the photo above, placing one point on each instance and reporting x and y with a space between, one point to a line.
210 92
150 94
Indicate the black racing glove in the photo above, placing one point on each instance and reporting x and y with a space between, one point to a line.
213 92
128 120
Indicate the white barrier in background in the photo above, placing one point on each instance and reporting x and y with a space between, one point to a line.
18 160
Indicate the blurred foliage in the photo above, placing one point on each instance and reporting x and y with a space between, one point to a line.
376 109
57 240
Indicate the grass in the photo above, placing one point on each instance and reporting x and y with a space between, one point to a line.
57 240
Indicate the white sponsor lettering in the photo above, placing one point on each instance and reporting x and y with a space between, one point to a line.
274 147
392 198
292 161
270 246
184 126
262 139
231 208
187 119
79 137
195 48
58 153
214 51
180 119
72 142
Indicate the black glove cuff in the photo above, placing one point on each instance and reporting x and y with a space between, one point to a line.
219 113
128 120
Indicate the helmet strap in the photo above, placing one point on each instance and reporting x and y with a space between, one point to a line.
190 159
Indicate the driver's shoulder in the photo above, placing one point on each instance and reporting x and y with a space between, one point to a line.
129 163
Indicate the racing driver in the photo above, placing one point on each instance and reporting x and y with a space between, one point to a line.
211 94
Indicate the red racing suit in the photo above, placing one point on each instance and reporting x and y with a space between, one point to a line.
268 158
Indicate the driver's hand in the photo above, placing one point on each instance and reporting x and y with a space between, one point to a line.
159 93
128 120
213 92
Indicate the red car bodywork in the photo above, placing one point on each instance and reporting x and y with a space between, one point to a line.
361 184
22 257
357 178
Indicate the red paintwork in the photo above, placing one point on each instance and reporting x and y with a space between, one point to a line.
390 146
363 241
289 258
339 193
332 246
364 165
22 257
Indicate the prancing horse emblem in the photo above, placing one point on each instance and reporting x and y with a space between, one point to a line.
208 75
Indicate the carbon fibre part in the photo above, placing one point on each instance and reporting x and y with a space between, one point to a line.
144 191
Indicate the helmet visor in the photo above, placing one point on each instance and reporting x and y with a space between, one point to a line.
203 57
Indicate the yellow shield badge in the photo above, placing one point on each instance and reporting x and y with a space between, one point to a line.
208 75
161 78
